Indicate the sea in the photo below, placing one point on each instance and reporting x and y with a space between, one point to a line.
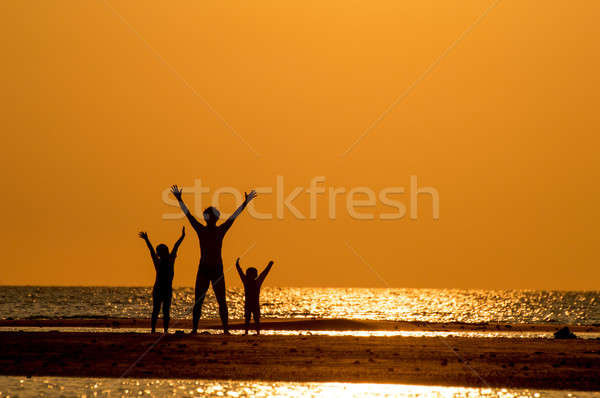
422 305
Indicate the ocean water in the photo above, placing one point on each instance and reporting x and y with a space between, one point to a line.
431 305
97 387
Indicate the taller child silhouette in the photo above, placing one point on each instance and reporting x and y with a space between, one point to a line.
210 269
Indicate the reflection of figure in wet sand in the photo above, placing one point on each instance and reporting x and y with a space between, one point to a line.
252 284
210 269
164 264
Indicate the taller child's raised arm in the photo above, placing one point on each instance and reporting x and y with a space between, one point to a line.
177 193
144 236
176 245
247 198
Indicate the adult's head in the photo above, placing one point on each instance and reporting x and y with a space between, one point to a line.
211 215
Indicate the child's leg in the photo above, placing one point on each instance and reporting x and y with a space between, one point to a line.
155 309
167 310
247 316
257 319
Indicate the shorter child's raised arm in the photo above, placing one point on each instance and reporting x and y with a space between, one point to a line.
239 270
144 236
263 275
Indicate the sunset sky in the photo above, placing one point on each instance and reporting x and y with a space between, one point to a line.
107 103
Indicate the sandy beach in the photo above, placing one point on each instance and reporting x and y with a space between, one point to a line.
495 362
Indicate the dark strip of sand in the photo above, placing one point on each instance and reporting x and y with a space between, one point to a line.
496 362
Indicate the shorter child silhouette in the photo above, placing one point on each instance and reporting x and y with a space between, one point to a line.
252 284
164 264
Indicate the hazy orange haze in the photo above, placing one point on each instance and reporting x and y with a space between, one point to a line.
107 103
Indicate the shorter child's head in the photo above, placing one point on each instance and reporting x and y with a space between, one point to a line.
251 272
162 251
211 215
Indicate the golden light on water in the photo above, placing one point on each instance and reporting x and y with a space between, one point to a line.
428 305
56 386
412 305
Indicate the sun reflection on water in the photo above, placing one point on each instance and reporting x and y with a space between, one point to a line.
422 305
85 387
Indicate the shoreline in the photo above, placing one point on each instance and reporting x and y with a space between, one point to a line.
301 324
445 361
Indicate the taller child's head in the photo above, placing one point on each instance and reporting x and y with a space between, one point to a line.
251 273
162 251
211 215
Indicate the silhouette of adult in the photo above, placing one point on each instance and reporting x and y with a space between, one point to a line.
210 269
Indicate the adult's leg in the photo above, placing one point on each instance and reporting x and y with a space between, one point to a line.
202 283
167 310
218 285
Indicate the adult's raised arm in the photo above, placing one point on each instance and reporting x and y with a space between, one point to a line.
247 198
177 193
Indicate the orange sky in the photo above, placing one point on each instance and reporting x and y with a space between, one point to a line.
106 104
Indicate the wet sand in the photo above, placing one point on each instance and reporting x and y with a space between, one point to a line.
495 362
